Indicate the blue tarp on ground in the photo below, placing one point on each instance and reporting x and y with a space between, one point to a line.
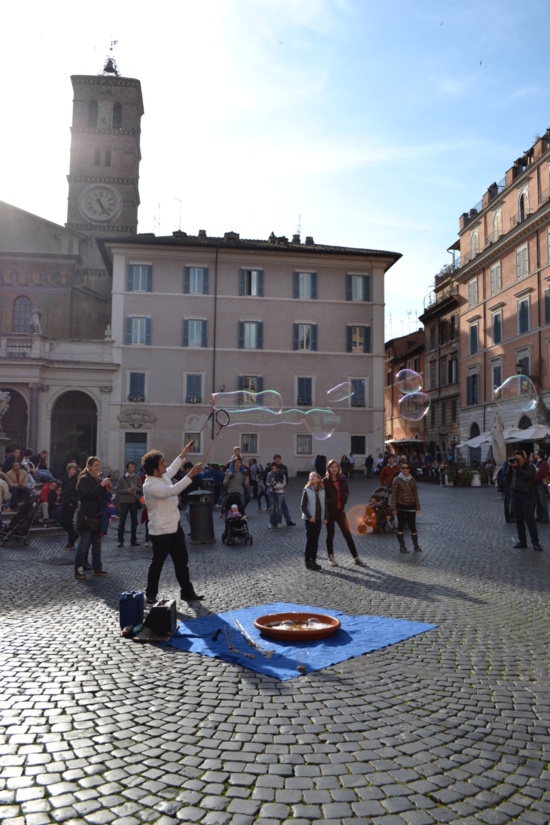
357 635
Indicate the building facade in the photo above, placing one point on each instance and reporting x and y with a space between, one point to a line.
403 353
441 362
196 315
503 279
112 342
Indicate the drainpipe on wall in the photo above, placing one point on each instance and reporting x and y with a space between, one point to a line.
215 330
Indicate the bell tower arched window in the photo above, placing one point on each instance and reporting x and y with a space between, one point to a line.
21 314
117 116
93 108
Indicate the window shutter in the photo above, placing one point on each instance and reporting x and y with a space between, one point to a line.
348 338
547 306
134 384
205 279
241 383
186 280
260 335
240 343
366 339
314 337
188 389
261 283
149 279
260 383
242 282
366 288
314 286
204 336
129 278
128 330
296 285
185 334
295 342
148 327
348 287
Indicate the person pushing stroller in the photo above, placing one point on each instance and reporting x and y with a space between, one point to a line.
405 505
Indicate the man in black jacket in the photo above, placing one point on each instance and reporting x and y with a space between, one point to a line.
521 477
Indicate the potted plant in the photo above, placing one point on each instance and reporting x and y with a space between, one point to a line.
450 476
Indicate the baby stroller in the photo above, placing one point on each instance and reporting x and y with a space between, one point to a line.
378 515
235 528
20 523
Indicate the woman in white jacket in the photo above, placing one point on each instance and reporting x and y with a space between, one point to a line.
161 500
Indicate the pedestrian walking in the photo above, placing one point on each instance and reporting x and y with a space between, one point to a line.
405 505
161 499
314 515
337 494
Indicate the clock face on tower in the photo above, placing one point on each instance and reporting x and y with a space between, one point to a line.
100 203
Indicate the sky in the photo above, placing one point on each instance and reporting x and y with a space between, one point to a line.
361 123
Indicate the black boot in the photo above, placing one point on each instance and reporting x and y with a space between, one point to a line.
401 540
417 548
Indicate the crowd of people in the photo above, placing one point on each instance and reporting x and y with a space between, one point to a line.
82 501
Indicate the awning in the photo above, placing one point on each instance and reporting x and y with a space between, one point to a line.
512 435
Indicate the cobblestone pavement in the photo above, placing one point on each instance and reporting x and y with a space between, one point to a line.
450 726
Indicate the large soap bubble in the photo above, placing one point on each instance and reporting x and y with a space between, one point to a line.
320 423
267 399
413 406
340 392
516 394
408 381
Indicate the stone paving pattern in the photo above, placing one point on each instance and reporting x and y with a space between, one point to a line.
450 726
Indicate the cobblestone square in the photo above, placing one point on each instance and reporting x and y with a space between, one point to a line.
450 726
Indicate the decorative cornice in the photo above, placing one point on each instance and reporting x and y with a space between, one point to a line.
101 179
136 419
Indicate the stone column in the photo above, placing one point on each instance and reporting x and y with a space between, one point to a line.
33 415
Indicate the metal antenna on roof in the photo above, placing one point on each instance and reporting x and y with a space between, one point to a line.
179 200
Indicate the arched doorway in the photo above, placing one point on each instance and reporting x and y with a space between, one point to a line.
15 421
74 430
475 452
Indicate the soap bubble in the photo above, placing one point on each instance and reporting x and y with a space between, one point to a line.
414 406
361 520
516 394
320 423
340 392
265 409
408 381
269 399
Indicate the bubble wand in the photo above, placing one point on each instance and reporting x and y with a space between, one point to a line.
222 418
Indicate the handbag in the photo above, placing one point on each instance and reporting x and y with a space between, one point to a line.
91 524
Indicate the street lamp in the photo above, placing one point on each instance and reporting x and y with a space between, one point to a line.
519 368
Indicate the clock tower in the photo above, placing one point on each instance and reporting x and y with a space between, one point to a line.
105 155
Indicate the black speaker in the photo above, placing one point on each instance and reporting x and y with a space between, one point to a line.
161 618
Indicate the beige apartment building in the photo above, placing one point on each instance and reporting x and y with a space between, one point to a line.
196 315
503 280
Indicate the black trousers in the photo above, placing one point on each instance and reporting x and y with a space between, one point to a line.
125 508
339 518
173 545
313 531
523 507
406 517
